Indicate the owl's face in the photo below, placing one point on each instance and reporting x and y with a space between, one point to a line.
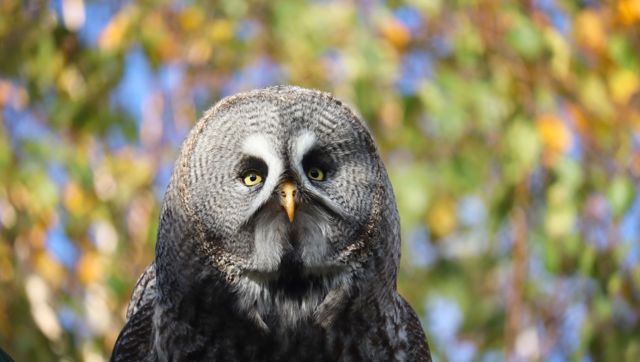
282 186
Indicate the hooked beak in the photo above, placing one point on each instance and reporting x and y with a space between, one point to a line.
288 198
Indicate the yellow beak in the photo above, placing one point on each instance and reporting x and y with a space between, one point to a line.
288 198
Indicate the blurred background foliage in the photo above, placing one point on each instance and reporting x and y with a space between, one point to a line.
511 131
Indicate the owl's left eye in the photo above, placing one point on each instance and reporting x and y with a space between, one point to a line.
251 178
316 174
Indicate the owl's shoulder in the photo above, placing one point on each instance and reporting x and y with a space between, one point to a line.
419 349
136 339
144 291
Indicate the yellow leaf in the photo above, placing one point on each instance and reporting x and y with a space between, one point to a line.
75 200
221 30
396 33
191 18
441 217
49 268
590 31
113 34
556 136
560 52
6 263
19 197
36 236
579 119
89 268
629 11
159 37
623 84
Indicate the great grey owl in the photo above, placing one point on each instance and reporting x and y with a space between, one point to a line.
279 240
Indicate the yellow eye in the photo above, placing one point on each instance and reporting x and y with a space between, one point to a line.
315 174
251 178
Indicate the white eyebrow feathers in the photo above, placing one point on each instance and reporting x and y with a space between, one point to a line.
303 143
260 146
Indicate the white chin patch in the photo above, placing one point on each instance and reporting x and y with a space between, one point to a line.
270 237
257 295
273 233
312 225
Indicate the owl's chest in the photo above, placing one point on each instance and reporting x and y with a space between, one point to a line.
313 344
216 331
237 341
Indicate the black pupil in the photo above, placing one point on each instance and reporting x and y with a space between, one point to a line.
314 173
253 177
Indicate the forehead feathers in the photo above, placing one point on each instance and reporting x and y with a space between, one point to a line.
284 112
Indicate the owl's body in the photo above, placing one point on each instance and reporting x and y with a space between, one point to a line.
278 241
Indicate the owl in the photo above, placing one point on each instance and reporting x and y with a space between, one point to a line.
279 240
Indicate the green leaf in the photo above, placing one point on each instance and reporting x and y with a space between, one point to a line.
521 150
620 195
525 37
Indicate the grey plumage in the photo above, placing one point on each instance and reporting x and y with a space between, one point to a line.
242 275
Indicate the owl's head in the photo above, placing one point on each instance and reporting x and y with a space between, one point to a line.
283 193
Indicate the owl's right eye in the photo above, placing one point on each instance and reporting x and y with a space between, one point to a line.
252 178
